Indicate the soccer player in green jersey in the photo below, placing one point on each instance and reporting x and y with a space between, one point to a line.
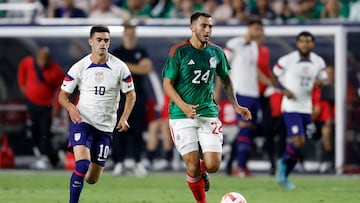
188 79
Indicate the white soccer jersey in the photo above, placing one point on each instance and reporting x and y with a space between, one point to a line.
299 76
99 86
243 58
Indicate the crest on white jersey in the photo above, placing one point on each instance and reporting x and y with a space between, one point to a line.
294 129
77 136
191 62
212 62
306 70
99 77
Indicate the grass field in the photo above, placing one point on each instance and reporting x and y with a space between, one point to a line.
39 187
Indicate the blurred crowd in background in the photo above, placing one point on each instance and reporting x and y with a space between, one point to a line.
223 11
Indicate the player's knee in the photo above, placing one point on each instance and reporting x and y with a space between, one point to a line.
213 169
193 169
299 141
91 180
82 166
212 166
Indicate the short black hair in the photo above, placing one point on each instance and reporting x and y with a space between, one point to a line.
197 15
305 34
98 28
252 20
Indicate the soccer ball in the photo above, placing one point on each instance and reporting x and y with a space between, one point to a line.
233 197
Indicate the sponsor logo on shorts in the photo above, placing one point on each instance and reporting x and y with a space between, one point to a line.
295 129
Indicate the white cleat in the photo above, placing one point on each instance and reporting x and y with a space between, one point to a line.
118 169
140 170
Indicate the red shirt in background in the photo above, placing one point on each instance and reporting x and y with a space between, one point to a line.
165 110
326 107
37 91
263 64
275 103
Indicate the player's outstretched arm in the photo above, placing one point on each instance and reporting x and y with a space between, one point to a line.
229 91
74 112
129 105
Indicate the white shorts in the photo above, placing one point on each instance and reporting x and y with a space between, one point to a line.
188 133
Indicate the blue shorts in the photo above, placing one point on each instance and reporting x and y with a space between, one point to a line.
252 103
298 124
96 140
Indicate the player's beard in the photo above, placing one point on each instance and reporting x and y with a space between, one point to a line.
304 54
202 38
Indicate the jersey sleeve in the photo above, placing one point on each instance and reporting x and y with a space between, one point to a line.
223 67
127 83
228 50
171 67
71 79
322 73
279 67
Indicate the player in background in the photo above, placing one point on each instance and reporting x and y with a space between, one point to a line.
298 72
242 53
100 77
323 116
265 127
188 79
159 130
39 79
131 141
278 141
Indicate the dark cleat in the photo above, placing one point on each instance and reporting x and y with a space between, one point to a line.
206 178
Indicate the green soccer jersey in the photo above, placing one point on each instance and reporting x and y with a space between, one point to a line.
193 72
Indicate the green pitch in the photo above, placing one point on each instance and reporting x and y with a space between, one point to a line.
38 187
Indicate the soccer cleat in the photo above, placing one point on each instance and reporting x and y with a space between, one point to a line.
281 176
287 185
245 173
325 167
281 172
118 169
206 178
235 171
140 170
241 172
41 164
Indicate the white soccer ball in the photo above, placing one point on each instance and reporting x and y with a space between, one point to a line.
233 197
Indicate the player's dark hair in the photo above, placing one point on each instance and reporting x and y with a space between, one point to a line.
99 28
305 34
254 20
197 15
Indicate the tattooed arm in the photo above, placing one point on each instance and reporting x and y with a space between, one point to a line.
229 91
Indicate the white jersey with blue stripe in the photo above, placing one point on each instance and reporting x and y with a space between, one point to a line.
99 86
243 58
298 76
